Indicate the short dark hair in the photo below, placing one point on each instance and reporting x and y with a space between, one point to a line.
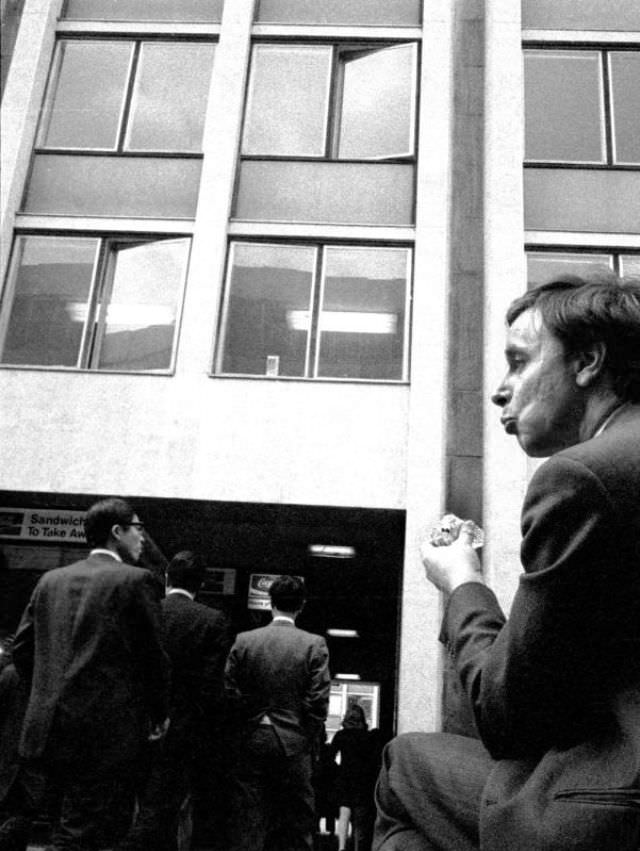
102 516
287 593
601 308
186 570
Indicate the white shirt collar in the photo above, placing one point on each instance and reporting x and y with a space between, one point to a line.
283 618
100 551
612 416
182 591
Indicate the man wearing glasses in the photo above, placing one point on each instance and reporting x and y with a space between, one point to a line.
89 642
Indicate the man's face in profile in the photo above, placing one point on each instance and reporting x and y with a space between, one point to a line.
131 541
541 402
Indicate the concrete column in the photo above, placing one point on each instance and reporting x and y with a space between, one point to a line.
23 94
419 663
505 467
220 145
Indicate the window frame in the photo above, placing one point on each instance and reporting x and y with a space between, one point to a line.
606 94
339 47
312 351
98 297
540 243
136 40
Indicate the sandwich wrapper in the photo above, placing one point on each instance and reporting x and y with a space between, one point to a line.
448 528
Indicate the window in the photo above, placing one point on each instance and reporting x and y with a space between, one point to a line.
542 266
582 106
329 135
117 113
623 15
307 311
335 102
94 302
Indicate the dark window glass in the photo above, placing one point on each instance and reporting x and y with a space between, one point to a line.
267 286
178 11
276 322
630 265
361 324
625 105
91 303
51 288
369 12
564 106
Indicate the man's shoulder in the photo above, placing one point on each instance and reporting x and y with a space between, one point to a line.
181 606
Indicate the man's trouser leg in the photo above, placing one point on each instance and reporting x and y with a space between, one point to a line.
429 792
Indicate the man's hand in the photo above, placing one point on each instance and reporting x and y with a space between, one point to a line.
449 567
159 731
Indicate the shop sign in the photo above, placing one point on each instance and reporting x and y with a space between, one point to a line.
219 580
42 525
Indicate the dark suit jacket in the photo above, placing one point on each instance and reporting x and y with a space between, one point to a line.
556 688
90 641
197 641
283 672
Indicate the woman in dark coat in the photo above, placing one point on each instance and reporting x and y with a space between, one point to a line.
355 780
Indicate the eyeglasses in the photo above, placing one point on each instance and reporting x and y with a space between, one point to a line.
137 524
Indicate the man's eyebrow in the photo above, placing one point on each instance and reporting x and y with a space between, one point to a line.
514 349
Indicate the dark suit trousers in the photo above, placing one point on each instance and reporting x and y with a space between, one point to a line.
273 800
429 793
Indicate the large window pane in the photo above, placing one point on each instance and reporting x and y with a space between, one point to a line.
380 13
156 187
51 290
630 265
623 15
377 104
207 11
85 104
170 97
564 119
326 192
288 101
143 306
362 315
543 266
268 304
625 103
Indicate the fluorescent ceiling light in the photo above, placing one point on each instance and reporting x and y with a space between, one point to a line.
127 316
343 633
331 551
347 676
348 321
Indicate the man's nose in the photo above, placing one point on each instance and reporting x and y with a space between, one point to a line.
500 397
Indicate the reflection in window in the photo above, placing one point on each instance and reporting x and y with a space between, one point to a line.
87 102
372 91
307 311
93 303
564 119
625 106
177 11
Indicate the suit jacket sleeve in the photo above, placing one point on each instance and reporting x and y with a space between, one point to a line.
23 645
532 681
215 649
317 698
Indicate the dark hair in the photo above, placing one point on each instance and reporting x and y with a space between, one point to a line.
186 570
601 308
102 516
354 717
287 593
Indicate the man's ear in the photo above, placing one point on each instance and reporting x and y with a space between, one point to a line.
116 532
590 364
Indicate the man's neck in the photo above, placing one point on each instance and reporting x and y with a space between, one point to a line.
597 414
276 614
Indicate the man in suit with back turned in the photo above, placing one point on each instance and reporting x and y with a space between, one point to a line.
89 642
555 688
278 678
